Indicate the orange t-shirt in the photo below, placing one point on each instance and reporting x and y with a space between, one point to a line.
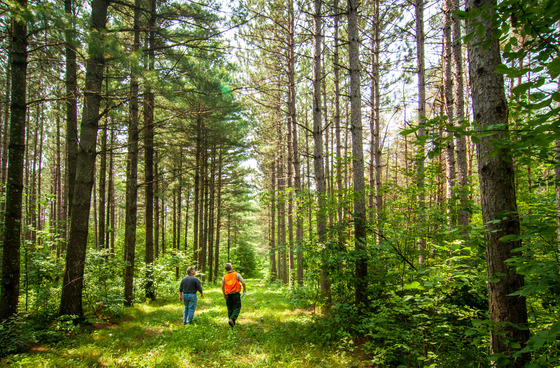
231 283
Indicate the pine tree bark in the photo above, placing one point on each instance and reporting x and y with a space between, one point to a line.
212 206
9 297
318 156
102 189
273 270
360 223
449 108
376 122
196 206
296 159
282 274
419 10
149 159
459 101
218 212
497 185
71 103
131 206
72 288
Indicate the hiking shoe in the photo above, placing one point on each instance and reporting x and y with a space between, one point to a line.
231 322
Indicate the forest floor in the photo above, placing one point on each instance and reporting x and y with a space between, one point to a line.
269 333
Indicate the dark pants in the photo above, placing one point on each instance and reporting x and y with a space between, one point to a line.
233 302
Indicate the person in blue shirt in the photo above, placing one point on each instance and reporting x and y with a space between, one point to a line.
188 288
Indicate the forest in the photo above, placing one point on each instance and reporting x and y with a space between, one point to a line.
384 174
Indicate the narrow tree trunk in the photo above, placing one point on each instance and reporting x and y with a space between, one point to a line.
459 101
110 235
419 8
318 157
9 296
273 270
149 159
71 102
6 125
281 210
449 109
212 205
339 159
293 156
218 213
360 224
497 186
156 207
72 288
102 188
376 117
132 172
292 125
196 206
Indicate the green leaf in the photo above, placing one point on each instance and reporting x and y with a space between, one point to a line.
480 31
414 285
522 88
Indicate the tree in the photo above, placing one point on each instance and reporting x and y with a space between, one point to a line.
149 101
497 184
421 72
9 297
360 222
318 158
132 169
72 287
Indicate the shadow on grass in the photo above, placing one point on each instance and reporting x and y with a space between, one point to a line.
269 334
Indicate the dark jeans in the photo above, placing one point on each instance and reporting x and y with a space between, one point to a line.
233 302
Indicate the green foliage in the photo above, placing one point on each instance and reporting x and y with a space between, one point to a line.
269 334
244 260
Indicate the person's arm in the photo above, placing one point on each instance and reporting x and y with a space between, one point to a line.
223 288
200 289
240 279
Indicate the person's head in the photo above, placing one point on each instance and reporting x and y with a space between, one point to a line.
191 270
228 267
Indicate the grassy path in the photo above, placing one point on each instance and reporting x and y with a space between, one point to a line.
269 334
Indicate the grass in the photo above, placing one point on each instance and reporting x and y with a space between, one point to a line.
269 333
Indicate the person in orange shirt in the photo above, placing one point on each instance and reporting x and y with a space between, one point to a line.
231 288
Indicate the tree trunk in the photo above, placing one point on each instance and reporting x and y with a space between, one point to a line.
9 297
282 274
318 157
273 270
72 288
71 102
497 186
360 224
110 235
131 207
149 159
218 212
211 204
449 109
419 8
339 159
459 100
102 188
196 206
376 122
